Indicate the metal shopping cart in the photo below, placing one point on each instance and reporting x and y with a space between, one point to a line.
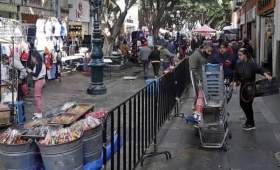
213 126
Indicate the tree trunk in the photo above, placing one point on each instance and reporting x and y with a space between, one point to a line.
108 46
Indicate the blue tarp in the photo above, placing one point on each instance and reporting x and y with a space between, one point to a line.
96 165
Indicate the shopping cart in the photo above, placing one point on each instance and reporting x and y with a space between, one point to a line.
213 127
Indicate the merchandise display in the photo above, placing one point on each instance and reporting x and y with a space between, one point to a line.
60 136
12 137
38 131
36 123
79 109
98 114
67 106
64 118
85 124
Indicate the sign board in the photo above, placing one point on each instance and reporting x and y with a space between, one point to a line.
264 6
79 11
36 11
12 2
150 41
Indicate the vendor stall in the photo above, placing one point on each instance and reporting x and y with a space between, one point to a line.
50 35
70 139
13 46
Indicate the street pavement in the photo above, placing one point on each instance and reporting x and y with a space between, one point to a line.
73 87
248 150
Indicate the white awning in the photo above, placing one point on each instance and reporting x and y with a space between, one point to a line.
8 8
36 11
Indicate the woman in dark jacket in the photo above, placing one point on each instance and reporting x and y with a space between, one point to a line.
154 57
245 72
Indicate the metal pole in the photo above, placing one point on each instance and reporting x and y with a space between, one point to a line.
96 64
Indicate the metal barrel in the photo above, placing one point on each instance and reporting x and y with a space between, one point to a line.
63 156
92 141
19 157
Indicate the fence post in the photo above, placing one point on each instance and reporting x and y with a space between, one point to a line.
155 152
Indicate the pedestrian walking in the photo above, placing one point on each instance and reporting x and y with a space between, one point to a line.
245 73
166 57
38 73
144 53
154 57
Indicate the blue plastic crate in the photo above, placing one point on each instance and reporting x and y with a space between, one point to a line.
212 67
151 88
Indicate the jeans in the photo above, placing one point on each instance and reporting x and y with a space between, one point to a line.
39 84
165 65
145 64
156 67
247 107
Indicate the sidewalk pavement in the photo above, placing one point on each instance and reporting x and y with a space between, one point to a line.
248 150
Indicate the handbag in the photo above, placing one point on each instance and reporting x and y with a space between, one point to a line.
260 88
23 90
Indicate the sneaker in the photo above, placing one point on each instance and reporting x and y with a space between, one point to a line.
249 127
37 116
244 123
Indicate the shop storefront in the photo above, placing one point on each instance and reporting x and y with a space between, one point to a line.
265 12
276 41
251 26
8 8
79 19
33 10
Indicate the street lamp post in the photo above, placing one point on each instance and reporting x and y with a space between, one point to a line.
96 64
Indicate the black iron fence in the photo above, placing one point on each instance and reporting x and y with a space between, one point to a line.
138 120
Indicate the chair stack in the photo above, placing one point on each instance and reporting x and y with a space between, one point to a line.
213 81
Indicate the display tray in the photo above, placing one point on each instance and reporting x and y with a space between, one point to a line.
36 122
80 108
25 134
65 119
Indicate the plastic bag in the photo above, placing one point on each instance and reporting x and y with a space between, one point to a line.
100 113
85 124
67 105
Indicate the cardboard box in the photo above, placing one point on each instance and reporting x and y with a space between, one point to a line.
5 113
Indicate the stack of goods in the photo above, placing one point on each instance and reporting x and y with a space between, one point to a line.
85 124
60 136
12 137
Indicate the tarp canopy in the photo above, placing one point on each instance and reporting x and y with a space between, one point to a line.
204 29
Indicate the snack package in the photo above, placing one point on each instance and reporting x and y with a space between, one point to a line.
67 105
100 113
12 136
85 124
60 136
